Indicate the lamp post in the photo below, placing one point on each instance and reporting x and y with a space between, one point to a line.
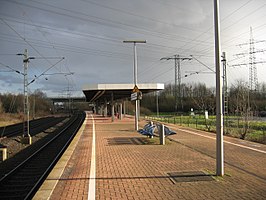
219 108
135 77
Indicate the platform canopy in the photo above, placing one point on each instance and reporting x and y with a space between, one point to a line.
104 92
67 99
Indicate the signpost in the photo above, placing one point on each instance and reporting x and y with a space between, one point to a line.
135 78
135 89
134 96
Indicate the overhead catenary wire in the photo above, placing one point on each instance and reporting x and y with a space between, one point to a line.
126 12
248 1
202 63
154 66
11 68
243 5
79 50
210 28
45 71
37 51
52 65
43 35
105 22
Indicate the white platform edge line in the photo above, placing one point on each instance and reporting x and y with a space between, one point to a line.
92 182
76 143
49 192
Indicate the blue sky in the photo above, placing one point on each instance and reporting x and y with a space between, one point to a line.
90 34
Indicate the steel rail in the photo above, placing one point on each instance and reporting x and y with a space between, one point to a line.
39 124
67 134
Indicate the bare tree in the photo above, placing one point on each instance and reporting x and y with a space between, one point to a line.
240 100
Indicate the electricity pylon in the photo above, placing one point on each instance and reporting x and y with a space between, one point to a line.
178 59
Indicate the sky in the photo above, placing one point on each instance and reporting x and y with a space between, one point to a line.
89 34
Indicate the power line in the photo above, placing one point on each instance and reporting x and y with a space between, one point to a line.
123 58
24 40
244 17
77 49
140 16
248 1
203 64
100 37
12 69
105 22
43 35
221 21
43 73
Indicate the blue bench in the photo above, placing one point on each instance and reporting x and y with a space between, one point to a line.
148 130
167 130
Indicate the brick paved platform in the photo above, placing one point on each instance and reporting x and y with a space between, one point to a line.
131 166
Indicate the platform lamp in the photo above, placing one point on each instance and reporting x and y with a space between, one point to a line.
135 77
219 105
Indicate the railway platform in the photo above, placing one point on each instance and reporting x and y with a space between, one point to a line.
112 161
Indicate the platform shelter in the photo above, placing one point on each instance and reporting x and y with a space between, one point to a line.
108 96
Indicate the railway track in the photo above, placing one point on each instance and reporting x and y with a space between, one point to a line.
36 126
23 181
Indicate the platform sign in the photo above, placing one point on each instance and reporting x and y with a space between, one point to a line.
134 96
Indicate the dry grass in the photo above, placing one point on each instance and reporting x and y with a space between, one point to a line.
8 119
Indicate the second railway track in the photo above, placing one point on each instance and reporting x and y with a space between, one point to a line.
24 180
36 126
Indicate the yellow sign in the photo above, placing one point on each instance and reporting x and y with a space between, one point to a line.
135 89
